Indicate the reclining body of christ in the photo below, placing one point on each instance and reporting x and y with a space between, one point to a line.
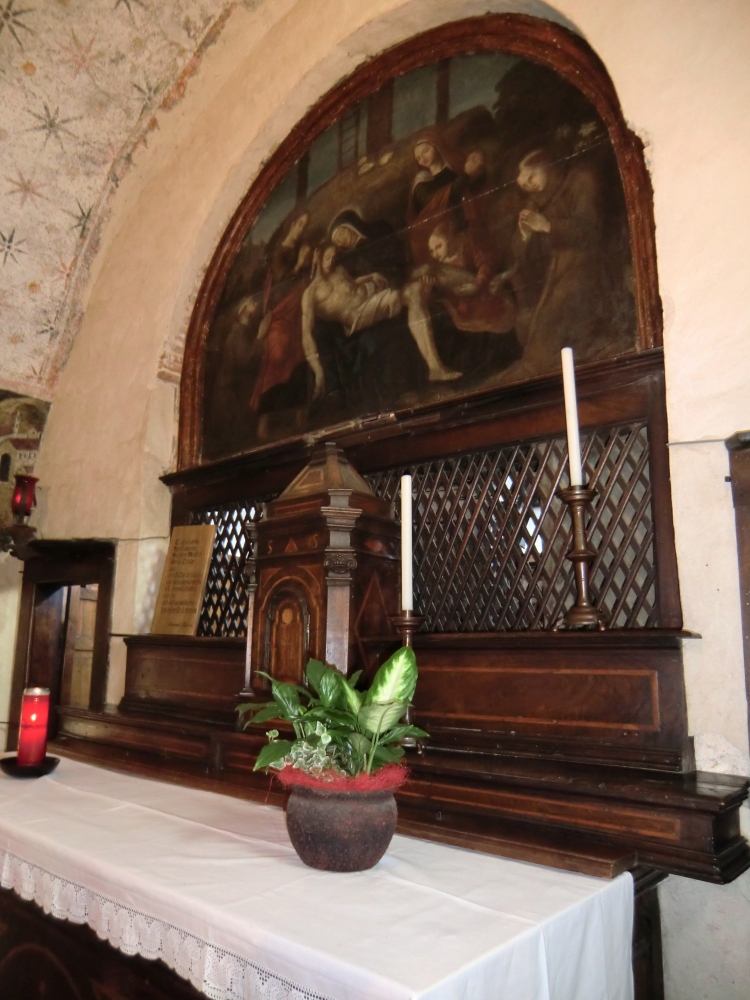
359 303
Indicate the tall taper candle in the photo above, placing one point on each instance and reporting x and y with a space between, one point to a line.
571 417
407 599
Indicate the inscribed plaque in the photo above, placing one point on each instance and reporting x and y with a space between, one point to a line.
183 582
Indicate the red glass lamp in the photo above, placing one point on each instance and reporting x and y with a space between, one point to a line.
23 499
15 538
32 737
31 760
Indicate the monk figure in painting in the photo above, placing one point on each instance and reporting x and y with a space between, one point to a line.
564 211
359 303
463 274
280 330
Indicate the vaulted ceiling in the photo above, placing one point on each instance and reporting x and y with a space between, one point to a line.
80 84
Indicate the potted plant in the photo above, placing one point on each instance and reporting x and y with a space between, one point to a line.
344 764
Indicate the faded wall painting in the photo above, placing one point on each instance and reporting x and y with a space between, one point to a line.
448 234
22 421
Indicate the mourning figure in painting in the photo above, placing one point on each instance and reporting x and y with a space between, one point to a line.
465 278
368 247
280 330
434 191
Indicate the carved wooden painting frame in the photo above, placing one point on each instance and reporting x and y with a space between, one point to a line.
541 43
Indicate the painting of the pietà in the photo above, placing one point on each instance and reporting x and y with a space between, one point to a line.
447 235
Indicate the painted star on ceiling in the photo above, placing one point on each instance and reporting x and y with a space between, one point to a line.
90 75
82 218
10 246
149 92
10 19
82 57
52 125
25 188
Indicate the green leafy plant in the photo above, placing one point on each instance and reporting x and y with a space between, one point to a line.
339 730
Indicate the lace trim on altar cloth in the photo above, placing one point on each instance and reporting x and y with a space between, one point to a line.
217 973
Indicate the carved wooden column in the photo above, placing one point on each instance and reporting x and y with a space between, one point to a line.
323 573
250 574
340 565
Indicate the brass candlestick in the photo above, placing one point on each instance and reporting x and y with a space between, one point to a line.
583 614
406 624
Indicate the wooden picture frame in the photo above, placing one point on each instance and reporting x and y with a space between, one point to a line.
542 42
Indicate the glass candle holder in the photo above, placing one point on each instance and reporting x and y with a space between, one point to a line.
23 498
32 737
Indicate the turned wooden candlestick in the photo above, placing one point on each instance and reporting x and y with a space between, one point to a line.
583 614
406 624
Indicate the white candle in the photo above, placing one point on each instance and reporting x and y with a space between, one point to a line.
571 417
407 600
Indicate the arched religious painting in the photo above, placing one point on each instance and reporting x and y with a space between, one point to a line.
444 235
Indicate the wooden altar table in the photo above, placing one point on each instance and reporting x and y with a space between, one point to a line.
212 886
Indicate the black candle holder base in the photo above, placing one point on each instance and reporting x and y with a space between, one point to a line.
12 768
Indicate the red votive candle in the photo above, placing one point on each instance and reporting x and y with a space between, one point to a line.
32 738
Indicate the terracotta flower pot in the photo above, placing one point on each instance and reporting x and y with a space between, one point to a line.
340 831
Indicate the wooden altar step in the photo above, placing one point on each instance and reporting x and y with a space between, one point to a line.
599 820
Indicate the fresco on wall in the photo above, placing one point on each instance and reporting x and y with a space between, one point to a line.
83 86
22 422
450 233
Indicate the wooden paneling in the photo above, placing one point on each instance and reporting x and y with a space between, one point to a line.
589 816
615 697
574 699
184 675
79 645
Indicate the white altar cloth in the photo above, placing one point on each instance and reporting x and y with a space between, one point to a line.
212 885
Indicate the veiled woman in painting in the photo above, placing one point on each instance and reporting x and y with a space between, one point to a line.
368 246
434 191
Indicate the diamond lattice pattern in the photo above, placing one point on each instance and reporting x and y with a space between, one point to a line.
224 610
490 536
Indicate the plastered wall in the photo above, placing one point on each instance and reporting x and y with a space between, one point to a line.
680 68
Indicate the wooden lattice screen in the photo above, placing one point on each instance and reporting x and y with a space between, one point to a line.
490 538
225 603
